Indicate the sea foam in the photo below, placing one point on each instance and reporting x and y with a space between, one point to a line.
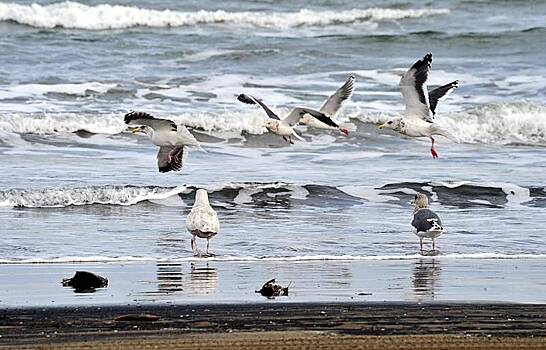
75 15
295 259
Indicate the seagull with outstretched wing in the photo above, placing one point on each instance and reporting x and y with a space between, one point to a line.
421 104
332 106
170 138
284 127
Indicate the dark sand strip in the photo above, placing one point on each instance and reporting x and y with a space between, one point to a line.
58 325
296 341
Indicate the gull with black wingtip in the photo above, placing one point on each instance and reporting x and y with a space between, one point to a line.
332 106
284 127
170 138
421 104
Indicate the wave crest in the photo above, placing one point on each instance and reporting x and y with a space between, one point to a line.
64 197
279 194
506 123
74 15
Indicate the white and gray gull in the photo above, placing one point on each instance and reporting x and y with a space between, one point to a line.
202 221
421 104
426 222
332 106
284 127
170 138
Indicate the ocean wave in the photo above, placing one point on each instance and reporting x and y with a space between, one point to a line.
508 123
53 123
505 123
33 90
280 194
79 16
304 258
64 197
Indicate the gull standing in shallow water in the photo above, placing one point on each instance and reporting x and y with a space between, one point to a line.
202 221
170 138
284 127
331 106
425 221
421 104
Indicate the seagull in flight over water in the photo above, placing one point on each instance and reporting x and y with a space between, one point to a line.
170 138
332 105
284 127
421 104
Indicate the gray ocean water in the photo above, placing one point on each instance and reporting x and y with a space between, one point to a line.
74 187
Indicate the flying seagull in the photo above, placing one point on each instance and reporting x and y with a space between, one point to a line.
427 224
170 138
284 127
332 105
421 104
202 221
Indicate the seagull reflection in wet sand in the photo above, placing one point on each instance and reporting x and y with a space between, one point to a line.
202 280
426 275
169 277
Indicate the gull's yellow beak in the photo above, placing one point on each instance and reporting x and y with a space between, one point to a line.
381 126
133 129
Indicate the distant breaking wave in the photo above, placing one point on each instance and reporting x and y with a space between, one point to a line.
462 194
74 15
508 123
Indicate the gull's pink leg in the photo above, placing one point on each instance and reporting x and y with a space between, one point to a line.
421 243
432 149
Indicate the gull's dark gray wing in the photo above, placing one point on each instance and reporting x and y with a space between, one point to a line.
297 113
252 101
142 118
426 220
414 89
332 105
174 163
440 93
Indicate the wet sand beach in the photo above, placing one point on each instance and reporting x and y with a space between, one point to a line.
301 325
209 281
438 303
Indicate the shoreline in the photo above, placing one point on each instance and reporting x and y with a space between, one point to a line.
217 282
57 325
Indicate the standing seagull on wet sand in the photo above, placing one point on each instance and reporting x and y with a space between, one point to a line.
331 106
202 221
284 127
170 138
421 104
425 221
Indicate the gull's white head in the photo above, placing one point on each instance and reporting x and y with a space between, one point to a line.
396 124
201 197
420 201
141 129
272 125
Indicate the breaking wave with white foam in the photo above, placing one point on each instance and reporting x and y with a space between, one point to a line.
75 15
505 123
460 194
509 123
64 197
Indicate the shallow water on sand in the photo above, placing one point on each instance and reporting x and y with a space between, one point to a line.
75 187
185 282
